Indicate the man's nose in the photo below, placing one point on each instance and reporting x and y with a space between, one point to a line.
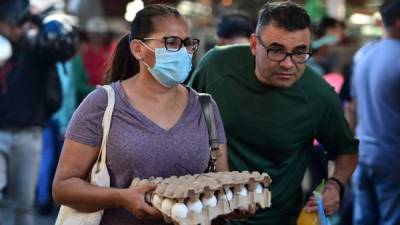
287 62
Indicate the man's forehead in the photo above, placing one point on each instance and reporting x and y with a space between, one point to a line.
274 35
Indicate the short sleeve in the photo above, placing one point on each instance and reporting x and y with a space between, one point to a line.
333 130
197 80
202 76
85 125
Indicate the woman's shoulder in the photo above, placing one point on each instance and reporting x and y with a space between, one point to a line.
97 96
195 95
97 99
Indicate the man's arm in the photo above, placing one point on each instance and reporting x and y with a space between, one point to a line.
351 114
338 139
344 167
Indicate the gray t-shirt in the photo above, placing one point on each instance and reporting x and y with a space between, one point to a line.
137 147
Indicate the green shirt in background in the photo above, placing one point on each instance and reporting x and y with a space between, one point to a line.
272 129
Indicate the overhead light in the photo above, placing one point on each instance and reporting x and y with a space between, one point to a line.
132 8
41 5
361 19
189 8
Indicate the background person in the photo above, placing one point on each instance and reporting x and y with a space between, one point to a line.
29 94
234 28
376 114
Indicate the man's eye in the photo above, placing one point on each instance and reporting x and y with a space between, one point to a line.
275 51
299 53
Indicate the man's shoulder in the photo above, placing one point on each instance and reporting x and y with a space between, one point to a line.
218 63
229 53
315 86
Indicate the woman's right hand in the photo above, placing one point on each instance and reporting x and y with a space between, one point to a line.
134 202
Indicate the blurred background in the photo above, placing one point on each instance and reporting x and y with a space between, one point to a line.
360 17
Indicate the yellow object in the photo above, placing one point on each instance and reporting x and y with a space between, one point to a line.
306 218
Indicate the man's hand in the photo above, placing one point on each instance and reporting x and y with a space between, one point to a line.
330 199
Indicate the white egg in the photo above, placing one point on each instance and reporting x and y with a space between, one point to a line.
156 200
179 210
228 195
196 206
211 202
243 191
259 188
166 205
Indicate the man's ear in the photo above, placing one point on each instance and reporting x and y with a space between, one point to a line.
253 43
136 49
221 42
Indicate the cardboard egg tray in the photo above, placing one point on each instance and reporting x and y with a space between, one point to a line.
200 198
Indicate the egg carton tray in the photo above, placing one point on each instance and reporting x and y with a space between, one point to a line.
200 198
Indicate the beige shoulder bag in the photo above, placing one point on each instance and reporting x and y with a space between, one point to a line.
99 175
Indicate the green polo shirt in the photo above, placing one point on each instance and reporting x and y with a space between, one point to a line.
272 129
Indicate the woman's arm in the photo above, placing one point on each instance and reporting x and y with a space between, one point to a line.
71 188
222 161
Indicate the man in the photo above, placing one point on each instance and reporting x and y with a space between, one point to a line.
234 28
375 93
273 108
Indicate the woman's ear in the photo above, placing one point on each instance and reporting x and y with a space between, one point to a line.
136 49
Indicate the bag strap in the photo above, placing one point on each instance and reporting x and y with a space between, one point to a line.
106 125
208 112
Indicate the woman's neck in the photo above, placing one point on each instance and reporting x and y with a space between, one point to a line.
144 86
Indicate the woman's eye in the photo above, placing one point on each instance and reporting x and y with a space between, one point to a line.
172 41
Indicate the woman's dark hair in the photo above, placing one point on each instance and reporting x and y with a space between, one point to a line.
123 64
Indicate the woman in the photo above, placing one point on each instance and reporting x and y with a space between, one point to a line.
157 126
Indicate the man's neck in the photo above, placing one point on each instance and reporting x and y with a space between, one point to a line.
393 31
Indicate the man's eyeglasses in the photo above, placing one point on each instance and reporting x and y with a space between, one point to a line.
174 44
278 54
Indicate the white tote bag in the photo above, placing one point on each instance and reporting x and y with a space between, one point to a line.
99 175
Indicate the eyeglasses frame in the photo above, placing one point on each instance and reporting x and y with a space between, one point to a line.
183 41
290 54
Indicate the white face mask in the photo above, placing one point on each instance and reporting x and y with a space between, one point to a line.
171 68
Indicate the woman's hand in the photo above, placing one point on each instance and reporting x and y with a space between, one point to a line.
134 202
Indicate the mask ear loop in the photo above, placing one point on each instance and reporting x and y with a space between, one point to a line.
145 45
141 59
